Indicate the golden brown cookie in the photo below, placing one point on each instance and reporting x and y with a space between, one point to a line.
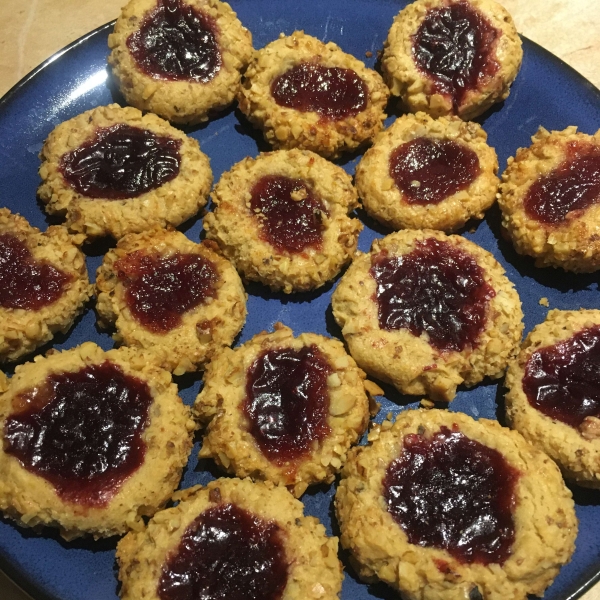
282 219
256 533
92 441
550 200
114 171
452 57
180 59
427 312
43 284
283 409
284 95
424 173
440 506
178 300
553 397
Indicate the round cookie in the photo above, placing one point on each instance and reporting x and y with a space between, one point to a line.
284 95
114 171
256 533
427 312
440 506
424 173
92 441
282 219
283 409
553 397
43 284
180 59
452 57
178 300
550 200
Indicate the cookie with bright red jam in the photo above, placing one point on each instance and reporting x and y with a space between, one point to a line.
468 501
232 539
428 312
456 57
180 59
553 397
91 441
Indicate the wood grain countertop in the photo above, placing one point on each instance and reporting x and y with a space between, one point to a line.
33 30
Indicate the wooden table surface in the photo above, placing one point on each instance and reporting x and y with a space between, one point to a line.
33 30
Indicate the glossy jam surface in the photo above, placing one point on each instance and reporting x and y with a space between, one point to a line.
121 162
289 212
455 48
563 381
435 289
427 171
176 42
226 553
81 431
333 92
287 402
450 492
573 186
159 289
25 282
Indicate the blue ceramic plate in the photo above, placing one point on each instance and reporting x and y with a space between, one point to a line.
546 92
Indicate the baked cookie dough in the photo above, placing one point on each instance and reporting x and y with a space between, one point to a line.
412 507
178 300
43 284
554 397
180 59
283 409
452 57
284 95
282 219
550 200
256 533
91 441
114 171
425 173
427 312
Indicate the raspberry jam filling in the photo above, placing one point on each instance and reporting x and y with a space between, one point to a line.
436 289
81 431
428 171
121 162
159 289
176 42
290 213
226 553
455 47
287 402
27 283
563 381
573 186
333 92
450 492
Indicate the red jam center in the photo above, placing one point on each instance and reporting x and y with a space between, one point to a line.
289 213
453 493
333 92
159 289
81 431
573 185
428 171
226 553
287 402
435 289
455 47
121 162
176 42
24 282
563 381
